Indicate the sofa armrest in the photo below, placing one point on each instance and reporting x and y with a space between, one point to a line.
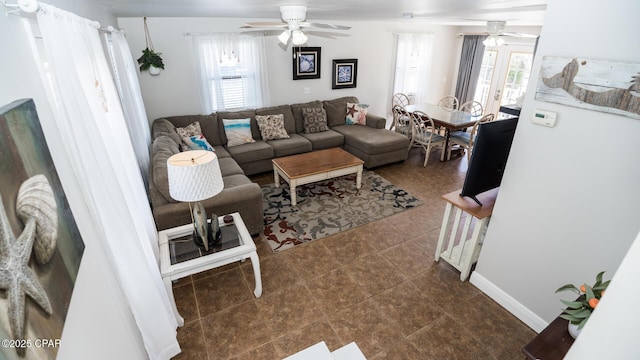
376 122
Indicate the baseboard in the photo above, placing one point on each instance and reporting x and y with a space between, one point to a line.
506 301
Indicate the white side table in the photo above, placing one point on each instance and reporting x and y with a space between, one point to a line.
181 257
463 249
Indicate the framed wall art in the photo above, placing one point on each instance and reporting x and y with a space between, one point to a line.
306 63
345 73
38 274
593 84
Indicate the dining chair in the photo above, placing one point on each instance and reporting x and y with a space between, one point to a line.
473 107
424 134
401 100
449 102
402 123
465 139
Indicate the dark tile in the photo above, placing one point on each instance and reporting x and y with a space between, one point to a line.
365 324
310 260
191 342
409 306
443 285
374 273
447 339
264 352
302 338
235 330
221 291
335 290
410 257
275 274
288 309
186 302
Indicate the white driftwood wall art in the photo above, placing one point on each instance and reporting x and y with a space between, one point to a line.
608 86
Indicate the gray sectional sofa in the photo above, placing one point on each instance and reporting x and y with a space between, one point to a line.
372 143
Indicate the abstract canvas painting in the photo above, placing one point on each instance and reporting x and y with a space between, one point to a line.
40 245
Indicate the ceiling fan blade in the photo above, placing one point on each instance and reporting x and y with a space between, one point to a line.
329 35
264 32
264 24
328 26
520 35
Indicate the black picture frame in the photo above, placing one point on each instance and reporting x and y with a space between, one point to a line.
345 73
306 63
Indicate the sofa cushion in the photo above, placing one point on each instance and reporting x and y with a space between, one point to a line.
296 144
163 148
324 140
228 166
337 109
285 110
272 127
244 114
296 109
165 127
315 120
221 152
238 131
247 153
208 125
372 141
356 114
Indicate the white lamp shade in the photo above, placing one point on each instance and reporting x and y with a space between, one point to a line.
298 37
284 37
194 175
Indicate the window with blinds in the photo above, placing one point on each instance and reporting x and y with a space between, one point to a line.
232 89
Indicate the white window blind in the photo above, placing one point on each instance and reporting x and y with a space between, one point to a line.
232 71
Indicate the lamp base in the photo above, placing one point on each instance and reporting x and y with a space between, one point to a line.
213 239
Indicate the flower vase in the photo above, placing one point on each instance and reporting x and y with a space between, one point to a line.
154 70
573 330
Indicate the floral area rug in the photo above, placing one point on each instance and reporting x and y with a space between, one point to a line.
327 207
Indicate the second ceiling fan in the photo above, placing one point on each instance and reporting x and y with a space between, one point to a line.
293 21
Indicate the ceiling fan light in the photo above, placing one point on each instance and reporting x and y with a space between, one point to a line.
493 40
298 37
284 37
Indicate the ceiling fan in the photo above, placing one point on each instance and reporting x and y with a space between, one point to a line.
293 17
495 31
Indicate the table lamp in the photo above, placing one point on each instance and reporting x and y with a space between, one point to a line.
195 176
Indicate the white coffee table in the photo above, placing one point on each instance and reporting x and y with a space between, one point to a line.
180 257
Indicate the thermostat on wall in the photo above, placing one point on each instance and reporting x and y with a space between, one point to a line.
545 118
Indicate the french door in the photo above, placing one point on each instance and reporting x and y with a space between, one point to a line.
504 76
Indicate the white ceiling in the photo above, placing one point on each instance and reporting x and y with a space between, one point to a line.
449 12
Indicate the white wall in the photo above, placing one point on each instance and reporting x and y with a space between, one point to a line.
99 324
568 204
176 92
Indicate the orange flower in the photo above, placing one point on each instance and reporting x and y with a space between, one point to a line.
583 288
593 303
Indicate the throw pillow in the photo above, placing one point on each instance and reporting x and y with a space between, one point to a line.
189 130
315 120
238 131
356 114
272 127
197 142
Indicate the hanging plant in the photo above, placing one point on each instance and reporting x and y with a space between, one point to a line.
150 60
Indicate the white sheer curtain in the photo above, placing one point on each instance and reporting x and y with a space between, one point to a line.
131 100
91 123
222 60
413 65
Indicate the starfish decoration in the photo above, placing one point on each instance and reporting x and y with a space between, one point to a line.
15 275
351 110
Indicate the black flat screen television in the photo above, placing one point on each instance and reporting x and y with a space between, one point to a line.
489 157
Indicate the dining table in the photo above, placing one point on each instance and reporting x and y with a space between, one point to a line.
449 119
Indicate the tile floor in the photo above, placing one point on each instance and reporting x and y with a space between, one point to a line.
377 285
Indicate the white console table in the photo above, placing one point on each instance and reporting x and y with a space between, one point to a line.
464 231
